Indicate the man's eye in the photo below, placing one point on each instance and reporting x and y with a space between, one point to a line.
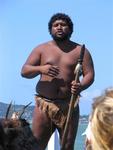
55 25
63 24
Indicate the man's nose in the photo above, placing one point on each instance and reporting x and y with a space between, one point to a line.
59 26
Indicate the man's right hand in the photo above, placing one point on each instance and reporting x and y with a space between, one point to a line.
50 70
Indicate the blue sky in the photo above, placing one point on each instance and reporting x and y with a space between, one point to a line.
24 25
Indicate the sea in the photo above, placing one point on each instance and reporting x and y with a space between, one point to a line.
80 139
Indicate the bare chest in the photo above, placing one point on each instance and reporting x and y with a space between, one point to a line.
59 58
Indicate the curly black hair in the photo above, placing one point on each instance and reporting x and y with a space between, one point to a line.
61 16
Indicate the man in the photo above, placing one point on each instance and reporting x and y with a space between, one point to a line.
55 61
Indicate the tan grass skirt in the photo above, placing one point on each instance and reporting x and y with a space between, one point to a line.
55 110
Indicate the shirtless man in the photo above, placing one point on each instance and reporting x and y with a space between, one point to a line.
55 61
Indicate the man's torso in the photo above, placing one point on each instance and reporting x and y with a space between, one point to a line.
58 87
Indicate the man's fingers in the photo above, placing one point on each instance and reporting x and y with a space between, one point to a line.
75 88
53 71
54 68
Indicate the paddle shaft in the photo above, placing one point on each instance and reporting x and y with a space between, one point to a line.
74 97
73 103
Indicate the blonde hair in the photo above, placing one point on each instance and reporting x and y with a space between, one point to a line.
109 92
102 123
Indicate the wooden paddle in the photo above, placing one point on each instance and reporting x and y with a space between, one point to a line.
74 97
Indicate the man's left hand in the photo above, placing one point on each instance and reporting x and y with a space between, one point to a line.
76 87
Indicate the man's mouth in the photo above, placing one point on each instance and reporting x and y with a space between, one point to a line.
59 32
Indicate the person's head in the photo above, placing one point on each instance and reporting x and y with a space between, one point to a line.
109 92
60 26
102 124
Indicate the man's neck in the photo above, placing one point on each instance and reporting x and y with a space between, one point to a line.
61 43
65 45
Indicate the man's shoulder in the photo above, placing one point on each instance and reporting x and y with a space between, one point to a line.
42 45
79 46
76 46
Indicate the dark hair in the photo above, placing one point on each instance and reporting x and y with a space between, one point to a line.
61 16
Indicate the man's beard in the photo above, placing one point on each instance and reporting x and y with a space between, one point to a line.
63 38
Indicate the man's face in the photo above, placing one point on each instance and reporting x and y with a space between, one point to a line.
60 30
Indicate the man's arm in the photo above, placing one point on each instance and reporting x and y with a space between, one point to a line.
88 74
33 67
88 71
